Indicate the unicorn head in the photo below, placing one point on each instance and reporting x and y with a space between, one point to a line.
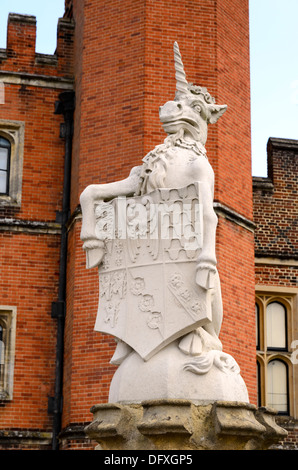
192 109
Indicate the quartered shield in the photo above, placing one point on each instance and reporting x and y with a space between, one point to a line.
148 296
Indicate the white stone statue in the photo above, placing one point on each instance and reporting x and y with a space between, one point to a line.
152 236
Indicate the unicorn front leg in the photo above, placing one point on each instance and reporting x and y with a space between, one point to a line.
93 194
206 268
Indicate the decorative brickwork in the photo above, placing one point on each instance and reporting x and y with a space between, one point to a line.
276 248
30 230
276 200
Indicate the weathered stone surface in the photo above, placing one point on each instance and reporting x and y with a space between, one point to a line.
183 425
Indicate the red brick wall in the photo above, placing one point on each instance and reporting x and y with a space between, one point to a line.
233 187
43 151
109 86
236 269
29 258
20 48
29 266
234 182
275 215
131 73
34 105
275 207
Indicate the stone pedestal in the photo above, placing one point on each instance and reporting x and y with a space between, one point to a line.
183 425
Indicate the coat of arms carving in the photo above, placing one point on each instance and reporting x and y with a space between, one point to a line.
148 295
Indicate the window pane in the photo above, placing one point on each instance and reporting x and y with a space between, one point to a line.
277 396
4 142
276 325
259 384
3 182
257 326
2 351
3 158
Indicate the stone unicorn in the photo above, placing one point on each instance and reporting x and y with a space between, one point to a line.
179 161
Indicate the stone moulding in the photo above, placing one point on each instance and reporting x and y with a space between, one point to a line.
38 80
25 438
107 420
29 226
231 418
183 425
173 418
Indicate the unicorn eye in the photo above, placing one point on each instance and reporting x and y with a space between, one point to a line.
197 108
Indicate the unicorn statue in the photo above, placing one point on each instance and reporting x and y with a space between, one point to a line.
152 238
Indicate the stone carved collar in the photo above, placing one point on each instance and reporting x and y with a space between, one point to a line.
155 162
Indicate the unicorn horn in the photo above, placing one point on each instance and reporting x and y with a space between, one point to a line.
181 82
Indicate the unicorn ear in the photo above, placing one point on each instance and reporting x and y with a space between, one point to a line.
215 112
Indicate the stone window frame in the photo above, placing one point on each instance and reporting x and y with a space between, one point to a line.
288 298
8 317
14 132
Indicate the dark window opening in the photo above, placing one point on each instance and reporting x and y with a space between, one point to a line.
5 149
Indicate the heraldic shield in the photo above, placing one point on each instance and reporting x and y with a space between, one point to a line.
147 291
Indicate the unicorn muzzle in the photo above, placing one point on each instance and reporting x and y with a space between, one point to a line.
169 112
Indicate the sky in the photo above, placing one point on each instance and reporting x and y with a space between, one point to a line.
47 13
274 75
273 58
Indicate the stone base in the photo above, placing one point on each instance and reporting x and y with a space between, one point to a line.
183 425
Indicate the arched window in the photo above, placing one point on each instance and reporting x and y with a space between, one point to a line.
276 326
5 150
274 318
11 162
277 386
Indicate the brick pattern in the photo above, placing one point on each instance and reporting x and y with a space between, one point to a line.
30 257
21 56
291 441
29 266
279 275
18 442
134 88
277 203
275 216
43 151
236 272
233 84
